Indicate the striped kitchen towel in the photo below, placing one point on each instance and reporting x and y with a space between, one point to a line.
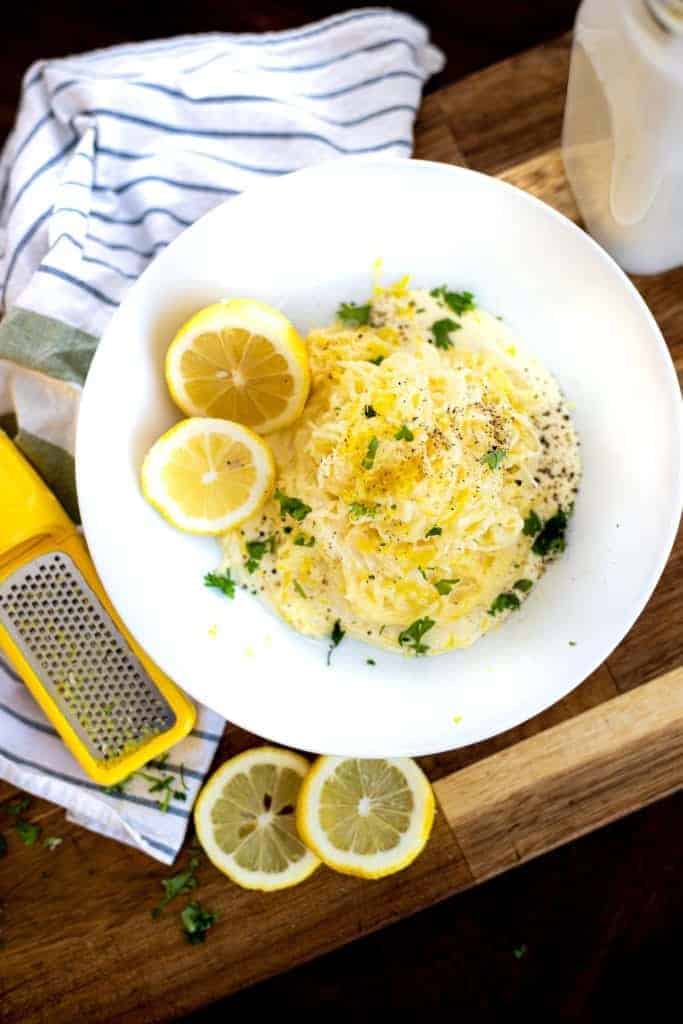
112 155
150 811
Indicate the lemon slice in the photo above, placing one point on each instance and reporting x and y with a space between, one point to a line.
207 476
240 360
245 820
362 817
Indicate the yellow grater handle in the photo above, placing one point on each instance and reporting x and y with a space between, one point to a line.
33 523
29 508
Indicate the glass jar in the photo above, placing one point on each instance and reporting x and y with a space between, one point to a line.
622 139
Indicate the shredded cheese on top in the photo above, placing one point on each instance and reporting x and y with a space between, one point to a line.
490 441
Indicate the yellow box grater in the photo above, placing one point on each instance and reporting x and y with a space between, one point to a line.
113 708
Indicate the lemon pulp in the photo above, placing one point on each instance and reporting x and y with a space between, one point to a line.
207 475
365 817
237 375
246 819
365 806
239 360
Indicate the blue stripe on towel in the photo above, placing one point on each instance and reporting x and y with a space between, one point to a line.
121 154
170 850
344 89
108 219
41 170
193 186
120 246
37 126
246 98
14 676
141 801
204 735
211 133
92 259
30 722
131 221
21 244
76 281
292 68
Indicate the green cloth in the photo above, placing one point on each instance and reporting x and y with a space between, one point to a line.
56 467
59 356
49 346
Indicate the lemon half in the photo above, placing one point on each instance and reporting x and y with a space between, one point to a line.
245 820
239 360
364 817
208 475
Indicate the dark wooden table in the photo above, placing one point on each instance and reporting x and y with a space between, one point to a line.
586 932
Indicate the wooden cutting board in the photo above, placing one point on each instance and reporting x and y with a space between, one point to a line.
78 942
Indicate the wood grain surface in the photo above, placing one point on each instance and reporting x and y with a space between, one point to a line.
79 942
569 779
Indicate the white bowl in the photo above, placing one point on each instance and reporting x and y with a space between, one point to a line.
304 243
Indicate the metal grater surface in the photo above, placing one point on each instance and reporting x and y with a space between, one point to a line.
80 657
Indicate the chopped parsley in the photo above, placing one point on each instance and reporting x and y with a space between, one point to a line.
551 539
369 459
523 585
459 302
117 788
223 582
377 360
17 807
52 842
196 922
520 951
422 573
256 549
441 330
404 434
445 586
369 412
352 315
165 787
299 589
293 507
412 636
508 599
494 458
572 643
163 784
359 508
178 884
304 540
370 661
435 531
336 637
532 525
27 831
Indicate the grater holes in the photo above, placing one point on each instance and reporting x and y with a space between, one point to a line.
81 657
